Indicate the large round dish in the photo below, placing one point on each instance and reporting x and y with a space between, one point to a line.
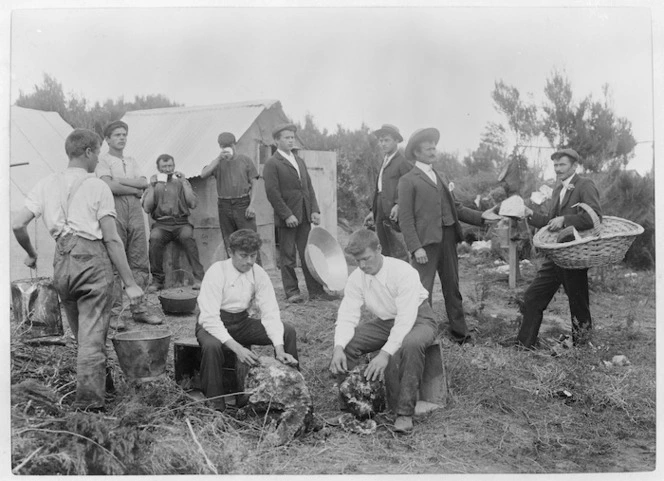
325 259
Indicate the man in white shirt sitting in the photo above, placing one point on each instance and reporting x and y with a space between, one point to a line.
404 326
227 291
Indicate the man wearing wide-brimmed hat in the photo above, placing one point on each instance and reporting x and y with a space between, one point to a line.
289 190
563 212
385 206
429 217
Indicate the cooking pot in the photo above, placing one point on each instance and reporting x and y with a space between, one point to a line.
178 300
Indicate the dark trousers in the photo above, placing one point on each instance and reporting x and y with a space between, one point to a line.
371 336
388 239
232 217
83 277
442 258
245 330
160 236
541 291
290 240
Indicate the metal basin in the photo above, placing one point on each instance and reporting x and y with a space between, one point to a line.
325 259
142 354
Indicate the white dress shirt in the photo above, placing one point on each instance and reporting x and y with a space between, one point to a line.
386 161
427 169
565 188
93 201
291 158
224 287
395 292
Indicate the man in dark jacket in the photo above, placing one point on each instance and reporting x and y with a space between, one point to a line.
429 217
563 212
385 207
289 190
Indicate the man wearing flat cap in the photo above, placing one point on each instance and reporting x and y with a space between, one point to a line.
236 176
385 207
563 212
429 217
289 190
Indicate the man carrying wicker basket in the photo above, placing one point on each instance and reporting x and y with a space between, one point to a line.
571 190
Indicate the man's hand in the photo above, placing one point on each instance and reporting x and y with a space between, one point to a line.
420 256
153 180
246 356
315 218
527 212
394 213
369 220
250 213
138 193
134 293
338 365
490 215
30 261
375 371
291 221
556 223
178 175
286 359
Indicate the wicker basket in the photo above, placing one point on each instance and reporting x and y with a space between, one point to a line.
606 243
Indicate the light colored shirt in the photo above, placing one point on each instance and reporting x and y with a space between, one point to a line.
291 158
224 287
91 202
427 169
116 168
395 292
386 162
565 188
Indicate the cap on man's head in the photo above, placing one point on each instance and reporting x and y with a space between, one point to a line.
110 127
391 130
571 153
281 127
226 139
421 135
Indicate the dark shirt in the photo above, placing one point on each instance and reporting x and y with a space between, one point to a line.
170 204
234 176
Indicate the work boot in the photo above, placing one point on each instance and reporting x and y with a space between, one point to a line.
141 313
295 298
403 424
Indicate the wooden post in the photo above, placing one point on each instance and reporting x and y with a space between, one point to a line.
513 236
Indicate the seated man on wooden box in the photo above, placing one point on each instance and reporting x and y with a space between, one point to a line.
227 291
404 326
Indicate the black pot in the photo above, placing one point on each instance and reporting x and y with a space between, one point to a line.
178 300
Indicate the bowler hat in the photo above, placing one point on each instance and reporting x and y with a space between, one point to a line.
226 139
281 127
571 153
421 135
391 130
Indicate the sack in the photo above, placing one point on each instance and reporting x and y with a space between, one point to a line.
36 308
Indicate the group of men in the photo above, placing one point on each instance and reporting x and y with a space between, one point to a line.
95 224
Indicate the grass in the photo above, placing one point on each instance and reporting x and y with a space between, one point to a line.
506 413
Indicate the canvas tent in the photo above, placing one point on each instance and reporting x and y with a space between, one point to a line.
189 134
37 149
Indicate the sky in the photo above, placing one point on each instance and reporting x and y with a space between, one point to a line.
412 67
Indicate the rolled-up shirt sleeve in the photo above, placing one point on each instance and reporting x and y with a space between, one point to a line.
348 316
408 302
266 300
209 303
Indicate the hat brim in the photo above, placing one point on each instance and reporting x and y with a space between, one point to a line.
430 134
392 133
564 153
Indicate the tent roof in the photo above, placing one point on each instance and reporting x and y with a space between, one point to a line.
189 134
38 138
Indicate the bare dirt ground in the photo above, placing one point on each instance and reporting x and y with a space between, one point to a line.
511 411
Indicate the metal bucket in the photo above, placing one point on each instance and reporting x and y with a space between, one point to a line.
142 354
36 308
326 260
